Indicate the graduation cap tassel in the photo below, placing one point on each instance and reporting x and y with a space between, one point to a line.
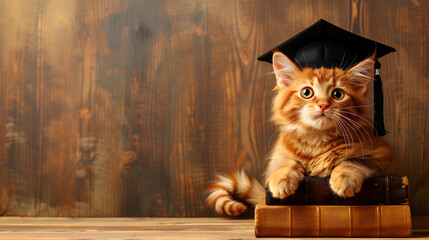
378 102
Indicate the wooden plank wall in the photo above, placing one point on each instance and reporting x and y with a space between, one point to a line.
129 108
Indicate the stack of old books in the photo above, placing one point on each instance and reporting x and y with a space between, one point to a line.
380 209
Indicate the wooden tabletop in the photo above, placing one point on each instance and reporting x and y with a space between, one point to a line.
143 228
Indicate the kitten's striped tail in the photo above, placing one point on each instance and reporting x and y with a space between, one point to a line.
227 192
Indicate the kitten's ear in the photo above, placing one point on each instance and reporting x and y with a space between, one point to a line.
362 72
284 69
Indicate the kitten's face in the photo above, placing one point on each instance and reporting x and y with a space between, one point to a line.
321 99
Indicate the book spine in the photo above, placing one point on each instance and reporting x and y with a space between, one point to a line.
374 191
333 221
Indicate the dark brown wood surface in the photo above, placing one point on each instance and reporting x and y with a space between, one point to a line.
129 108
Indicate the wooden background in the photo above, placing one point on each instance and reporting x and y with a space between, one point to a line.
129 108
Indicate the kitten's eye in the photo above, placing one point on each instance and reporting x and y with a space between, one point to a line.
307 92
338 94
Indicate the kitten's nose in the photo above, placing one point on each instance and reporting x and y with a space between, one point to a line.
323 106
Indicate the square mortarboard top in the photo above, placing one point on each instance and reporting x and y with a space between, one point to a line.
326 45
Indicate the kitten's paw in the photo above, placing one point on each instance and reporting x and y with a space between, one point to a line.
284 182
344 185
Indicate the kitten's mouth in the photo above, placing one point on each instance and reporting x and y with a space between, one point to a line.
320 115
319 120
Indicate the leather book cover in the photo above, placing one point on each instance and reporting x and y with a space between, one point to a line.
332 221
388 190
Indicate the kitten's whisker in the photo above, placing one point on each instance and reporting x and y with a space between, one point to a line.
288 122
345 141
270 118
294 130
269 142
352 64
301 67
340 77
289 112
357 135
353 83
305 59
272 137
358 106
298 63
344 131
357 115
347 68
359 127
345 136
366 115
266 121
351 135
341 64
278 113
336 130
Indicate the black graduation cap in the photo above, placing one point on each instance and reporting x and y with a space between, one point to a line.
326 45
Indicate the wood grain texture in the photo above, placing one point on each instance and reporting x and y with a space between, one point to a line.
146 228
129 108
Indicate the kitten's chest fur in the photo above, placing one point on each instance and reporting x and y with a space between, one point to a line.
308 149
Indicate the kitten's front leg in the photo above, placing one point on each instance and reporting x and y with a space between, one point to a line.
347 178
283 180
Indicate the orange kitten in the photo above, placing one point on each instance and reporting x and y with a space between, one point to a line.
324 129
322 115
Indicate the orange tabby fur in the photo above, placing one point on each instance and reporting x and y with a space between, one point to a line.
318 136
